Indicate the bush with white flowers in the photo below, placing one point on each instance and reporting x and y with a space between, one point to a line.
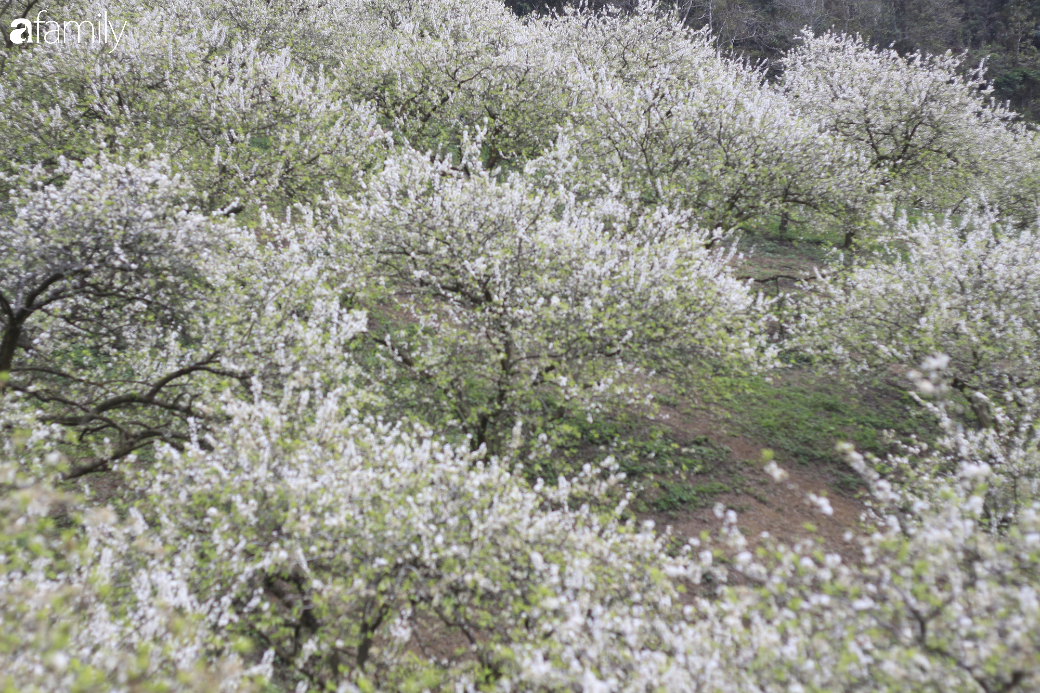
358 551
122 307
961 286
925 124
91 601
705 133
496 295
249 126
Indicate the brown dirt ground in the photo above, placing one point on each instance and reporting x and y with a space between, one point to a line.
762 505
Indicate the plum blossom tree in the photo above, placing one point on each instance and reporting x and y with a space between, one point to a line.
88 268
965 287
121 305
250 126
91 602
705 133
505 295
359 552
929 130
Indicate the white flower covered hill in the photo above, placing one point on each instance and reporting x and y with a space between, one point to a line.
371 345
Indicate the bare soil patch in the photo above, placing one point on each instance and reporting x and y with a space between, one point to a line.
763 506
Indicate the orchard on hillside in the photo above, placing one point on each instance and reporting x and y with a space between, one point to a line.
300 305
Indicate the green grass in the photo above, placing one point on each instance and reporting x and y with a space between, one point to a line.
681 495
803 415
669 473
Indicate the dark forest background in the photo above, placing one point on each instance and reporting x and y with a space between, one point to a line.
1004 33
